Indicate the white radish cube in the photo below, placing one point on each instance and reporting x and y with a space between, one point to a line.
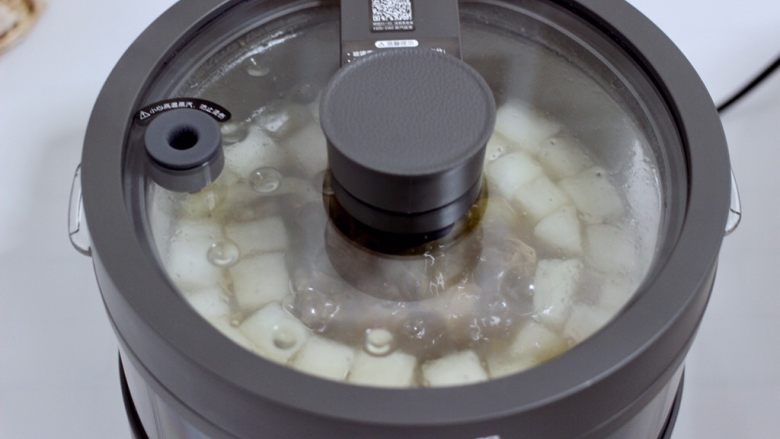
308 147
533 344
223 325
261 236
314 109
539 198
584 321
394 370
610 249
563 156
324 358
209 199
237 197
511 171
227 179
535 340
595 197
499 212
162 219
303 190
497 146
187 264
555 285
258 150
210 303
200 204
242 203
454 369
503 365
260 280
523 126
560 231
615 292
275 333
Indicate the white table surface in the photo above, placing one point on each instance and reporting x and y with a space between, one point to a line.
58 363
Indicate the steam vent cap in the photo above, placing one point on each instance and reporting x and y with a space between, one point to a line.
407 131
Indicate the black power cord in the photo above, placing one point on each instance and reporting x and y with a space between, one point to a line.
750 86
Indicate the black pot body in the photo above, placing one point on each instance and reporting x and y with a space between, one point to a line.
150 416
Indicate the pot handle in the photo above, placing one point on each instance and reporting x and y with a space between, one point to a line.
77 223
735 208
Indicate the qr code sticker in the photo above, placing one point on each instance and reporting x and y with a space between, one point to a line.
392 15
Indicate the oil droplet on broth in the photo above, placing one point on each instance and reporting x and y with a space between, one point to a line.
284 338
265 180
223 253
234 132
496 154
256 69
379 342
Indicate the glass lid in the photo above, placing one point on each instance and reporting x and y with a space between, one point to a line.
565 225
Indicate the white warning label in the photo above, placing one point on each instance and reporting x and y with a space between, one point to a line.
219 113
394 44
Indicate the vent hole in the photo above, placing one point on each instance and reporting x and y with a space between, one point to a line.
183 138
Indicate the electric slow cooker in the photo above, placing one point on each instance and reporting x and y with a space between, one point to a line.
403 218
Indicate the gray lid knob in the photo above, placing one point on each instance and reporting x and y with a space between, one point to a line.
407 131
185 150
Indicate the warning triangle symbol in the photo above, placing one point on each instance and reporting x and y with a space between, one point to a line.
145 115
